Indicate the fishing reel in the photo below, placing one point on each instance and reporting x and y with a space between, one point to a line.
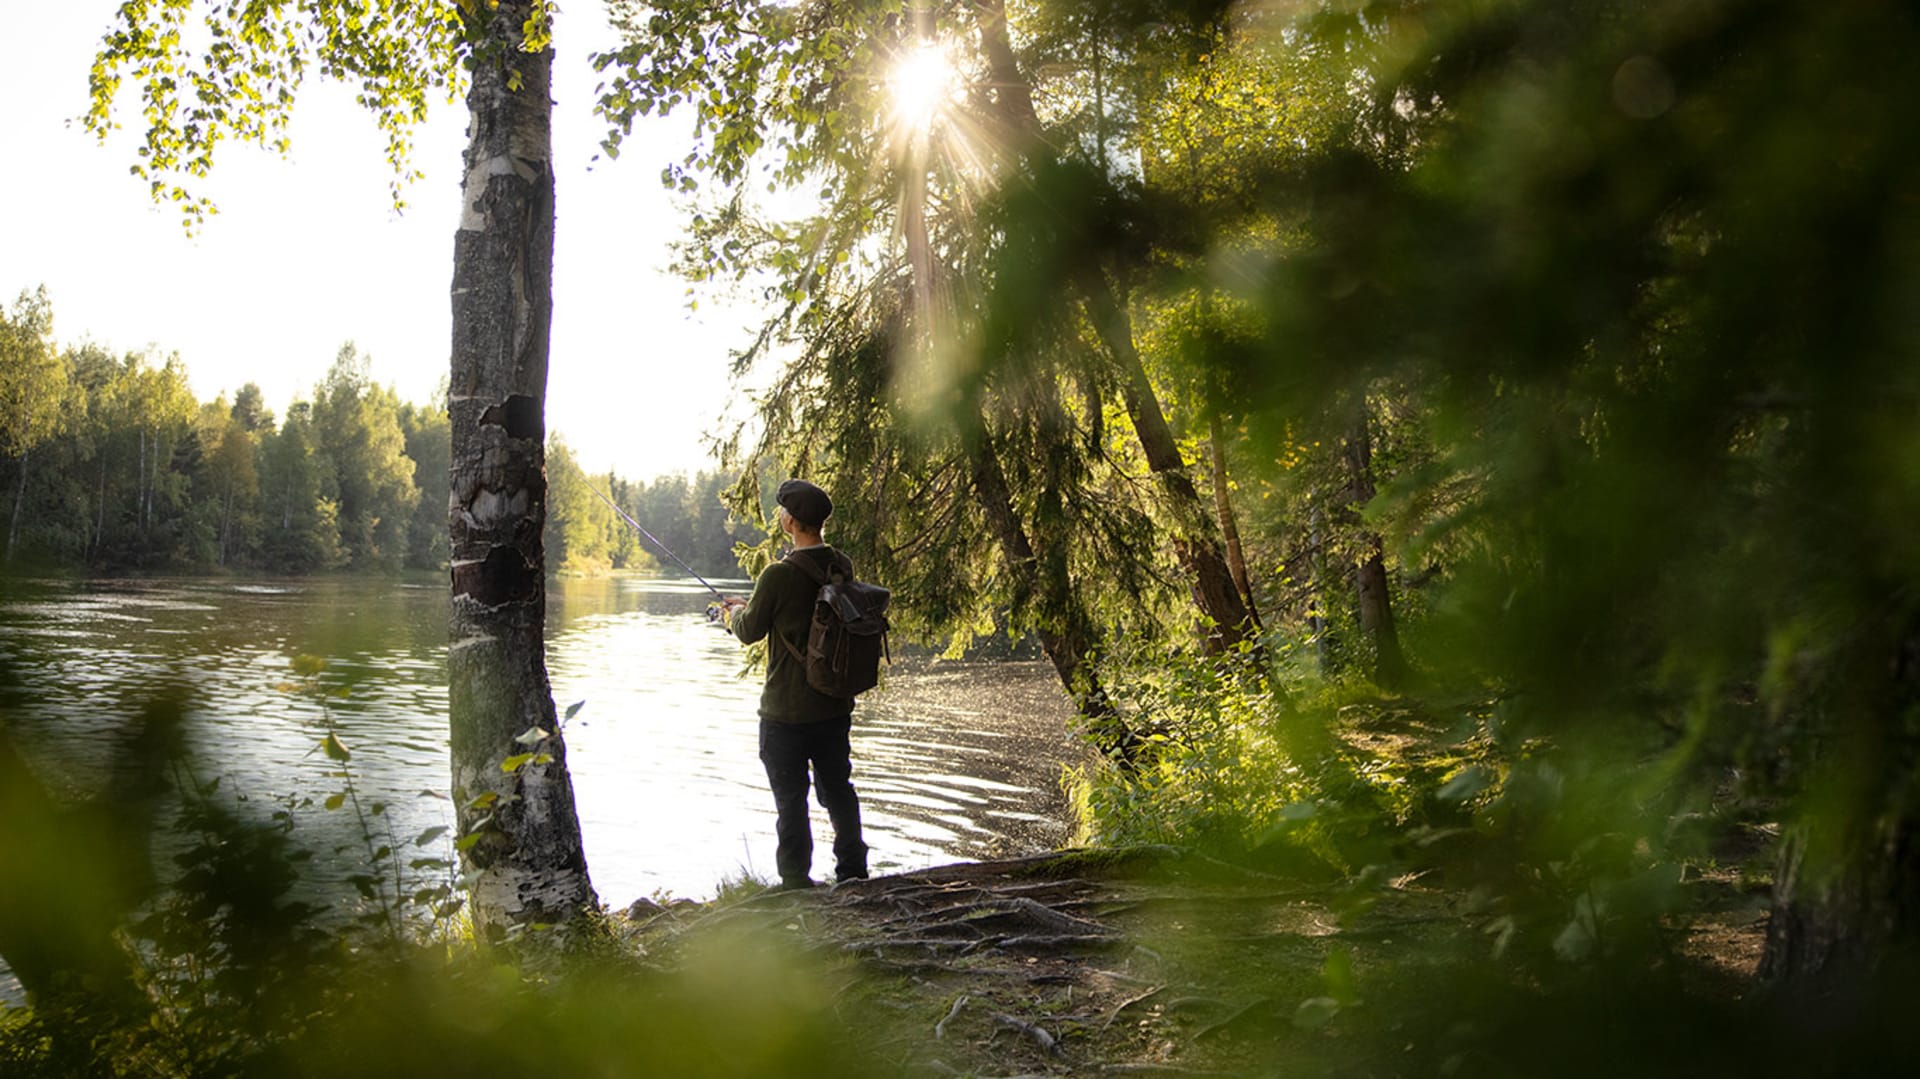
717 614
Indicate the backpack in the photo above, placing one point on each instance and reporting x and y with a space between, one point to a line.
848 634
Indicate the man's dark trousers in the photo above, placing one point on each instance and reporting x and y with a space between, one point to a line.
787 749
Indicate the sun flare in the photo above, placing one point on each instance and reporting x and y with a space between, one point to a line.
922 86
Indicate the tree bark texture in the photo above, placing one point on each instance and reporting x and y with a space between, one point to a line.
1370 570
1064 630
1846 892
529 860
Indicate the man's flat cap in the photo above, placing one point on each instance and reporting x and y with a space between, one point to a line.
808 504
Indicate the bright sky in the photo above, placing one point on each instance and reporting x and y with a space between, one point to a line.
307 253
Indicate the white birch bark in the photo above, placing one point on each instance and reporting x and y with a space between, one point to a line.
527 862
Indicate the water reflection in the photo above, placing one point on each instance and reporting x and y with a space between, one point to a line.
952 760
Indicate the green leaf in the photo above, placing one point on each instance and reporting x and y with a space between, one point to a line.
1337 972
430 835
466 842
574 708
336 800
308 666
334 748
1465 783
1315 1012
516 762
484 800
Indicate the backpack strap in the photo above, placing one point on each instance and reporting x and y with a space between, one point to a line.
821 577
806 566
791 650
820 580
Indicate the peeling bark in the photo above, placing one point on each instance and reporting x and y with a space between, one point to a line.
529 862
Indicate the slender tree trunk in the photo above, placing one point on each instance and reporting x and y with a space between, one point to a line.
529 862
1195 542
140 485
226 521
1229 525
1370 574
100 513
1317 567
19 500
1065 632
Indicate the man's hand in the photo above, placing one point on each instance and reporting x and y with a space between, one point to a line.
722 612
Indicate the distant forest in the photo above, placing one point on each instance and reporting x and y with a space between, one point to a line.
110 465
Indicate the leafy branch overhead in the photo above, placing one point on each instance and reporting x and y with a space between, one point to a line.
212 72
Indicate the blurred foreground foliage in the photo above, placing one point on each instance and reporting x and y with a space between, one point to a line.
164 932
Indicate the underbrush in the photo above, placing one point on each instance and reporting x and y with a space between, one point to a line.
1565 855
225 973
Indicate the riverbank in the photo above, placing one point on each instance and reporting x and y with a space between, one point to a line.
1162 961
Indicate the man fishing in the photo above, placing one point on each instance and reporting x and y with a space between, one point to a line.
800 726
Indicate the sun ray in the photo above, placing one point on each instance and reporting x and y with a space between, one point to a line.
922 85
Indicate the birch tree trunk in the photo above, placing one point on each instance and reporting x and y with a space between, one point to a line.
19 499
528 860
100 513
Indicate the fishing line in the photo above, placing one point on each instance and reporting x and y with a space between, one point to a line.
642 529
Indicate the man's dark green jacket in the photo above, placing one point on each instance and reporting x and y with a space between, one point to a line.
782 604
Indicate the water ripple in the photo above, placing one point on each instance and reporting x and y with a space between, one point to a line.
952 760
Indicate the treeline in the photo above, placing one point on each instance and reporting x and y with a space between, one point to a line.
584 535
111 465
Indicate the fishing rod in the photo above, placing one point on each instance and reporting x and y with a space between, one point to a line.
624 515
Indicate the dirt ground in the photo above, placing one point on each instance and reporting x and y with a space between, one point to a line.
1152 961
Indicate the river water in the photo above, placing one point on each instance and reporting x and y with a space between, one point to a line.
952 760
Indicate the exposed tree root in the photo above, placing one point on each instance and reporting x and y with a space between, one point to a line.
1137 963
